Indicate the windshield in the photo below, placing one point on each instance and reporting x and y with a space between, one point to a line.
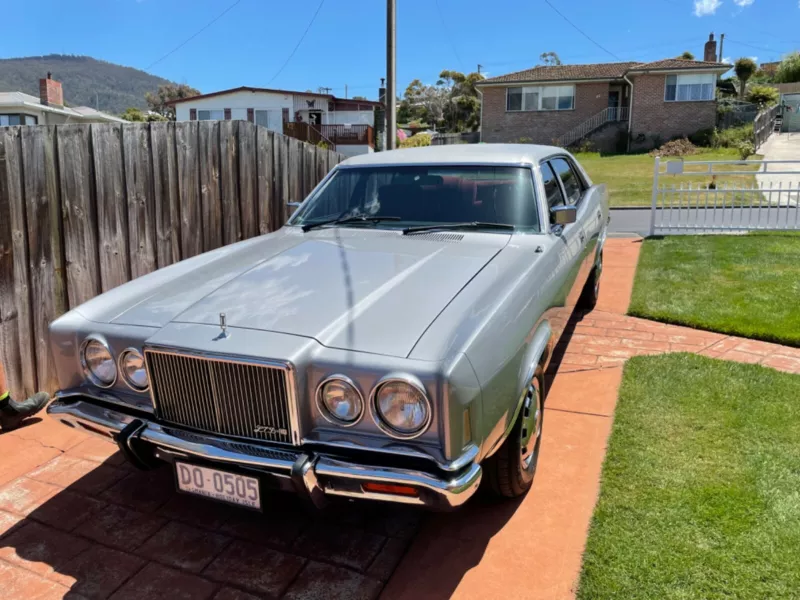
426 195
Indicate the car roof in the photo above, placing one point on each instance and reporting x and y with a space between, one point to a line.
454 154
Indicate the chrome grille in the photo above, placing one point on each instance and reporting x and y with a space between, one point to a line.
228 397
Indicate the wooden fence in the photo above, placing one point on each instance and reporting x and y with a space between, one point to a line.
85 208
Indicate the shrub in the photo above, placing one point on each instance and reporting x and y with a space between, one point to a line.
583 146
524 140
324 145
679 147
789 69
704 137
416 141
731 138
763 95
746 149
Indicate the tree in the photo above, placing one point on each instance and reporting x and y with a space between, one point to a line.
549 59
135 115
169 91
763 95
359 97
789 69
463 105
420 102
745 68
686 56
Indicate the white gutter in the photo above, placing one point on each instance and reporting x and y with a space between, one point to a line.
480 122
630 111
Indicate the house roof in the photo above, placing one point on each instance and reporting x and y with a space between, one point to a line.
246 88
23 100
600 71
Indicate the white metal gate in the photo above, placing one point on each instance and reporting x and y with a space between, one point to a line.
721 196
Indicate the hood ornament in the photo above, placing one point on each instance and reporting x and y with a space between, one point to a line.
223 324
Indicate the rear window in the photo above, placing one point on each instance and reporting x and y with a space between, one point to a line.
428 195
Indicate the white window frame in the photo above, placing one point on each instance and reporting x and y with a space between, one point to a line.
210 112
541 90
693 79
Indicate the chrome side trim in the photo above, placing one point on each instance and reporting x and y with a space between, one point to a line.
108 398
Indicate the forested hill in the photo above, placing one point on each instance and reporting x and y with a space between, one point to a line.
87 81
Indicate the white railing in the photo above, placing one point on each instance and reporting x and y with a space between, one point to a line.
607 115
770 201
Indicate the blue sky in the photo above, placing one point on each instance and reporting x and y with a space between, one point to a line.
345 45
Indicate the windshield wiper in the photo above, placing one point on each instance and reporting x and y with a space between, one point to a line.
344 220
472 225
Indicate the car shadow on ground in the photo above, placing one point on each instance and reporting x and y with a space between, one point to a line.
561 347
99 529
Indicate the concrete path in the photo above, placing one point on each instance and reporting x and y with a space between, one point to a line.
74 517
782 146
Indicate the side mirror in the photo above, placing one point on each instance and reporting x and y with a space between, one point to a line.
293 206
563 215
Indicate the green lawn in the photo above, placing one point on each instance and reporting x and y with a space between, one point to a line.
746 285
629 177
700 494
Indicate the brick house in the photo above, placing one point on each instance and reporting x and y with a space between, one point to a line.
606 103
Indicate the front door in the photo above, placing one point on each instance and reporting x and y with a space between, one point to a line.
613 105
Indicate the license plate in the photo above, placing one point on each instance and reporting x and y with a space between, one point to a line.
219 485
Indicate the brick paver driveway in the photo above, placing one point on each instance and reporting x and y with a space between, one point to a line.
75 518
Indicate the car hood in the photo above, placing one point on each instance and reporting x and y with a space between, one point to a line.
367 291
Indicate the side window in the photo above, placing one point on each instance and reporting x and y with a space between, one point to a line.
573 186
552 190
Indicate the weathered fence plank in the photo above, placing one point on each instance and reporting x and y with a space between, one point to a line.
210 205
248 176
188 188
165 190
11 350
229 181
43 214
280 169
79 212
112 208
141 204
265 183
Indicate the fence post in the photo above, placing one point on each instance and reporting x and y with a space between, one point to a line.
654 202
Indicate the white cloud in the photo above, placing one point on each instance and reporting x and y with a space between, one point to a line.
727 60
706 7
743 3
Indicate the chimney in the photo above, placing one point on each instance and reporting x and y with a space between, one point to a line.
50 93
710 50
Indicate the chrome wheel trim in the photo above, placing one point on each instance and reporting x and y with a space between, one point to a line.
531 428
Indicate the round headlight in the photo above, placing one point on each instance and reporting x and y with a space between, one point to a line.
131 364
98 364
339 401
402 408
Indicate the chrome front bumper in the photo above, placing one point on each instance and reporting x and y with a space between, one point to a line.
315 475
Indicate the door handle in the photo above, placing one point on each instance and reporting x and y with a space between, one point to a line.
582 236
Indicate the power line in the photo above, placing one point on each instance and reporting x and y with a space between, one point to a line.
582 32
190 38
300 41
753 47
447 33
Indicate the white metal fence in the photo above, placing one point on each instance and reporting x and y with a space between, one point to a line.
709 196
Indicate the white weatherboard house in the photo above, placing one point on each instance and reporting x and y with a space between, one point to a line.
347 125
19 108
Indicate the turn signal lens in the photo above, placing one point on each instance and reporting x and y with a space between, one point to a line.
390 488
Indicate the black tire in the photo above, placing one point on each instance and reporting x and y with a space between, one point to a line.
505 471
591 291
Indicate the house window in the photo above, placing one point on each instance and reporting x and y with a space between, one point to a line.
210 115
549 97
690 88
8 120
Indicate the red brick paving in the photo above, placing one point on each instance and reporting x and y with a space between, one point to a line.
75 518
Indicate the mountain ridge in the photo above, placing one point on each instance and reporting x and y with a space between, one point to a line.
86 81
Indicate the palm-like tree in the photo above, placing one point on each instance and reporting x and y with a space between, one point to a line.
745 68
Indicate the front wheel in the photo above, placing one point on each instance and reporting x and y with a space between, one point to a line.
510 470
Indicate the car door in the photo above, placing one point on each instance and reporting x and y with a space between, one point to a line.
576 193
568 245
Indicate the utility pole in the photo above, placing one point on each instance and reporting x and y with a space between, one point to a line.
479 69
721 44
345 91
391 82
